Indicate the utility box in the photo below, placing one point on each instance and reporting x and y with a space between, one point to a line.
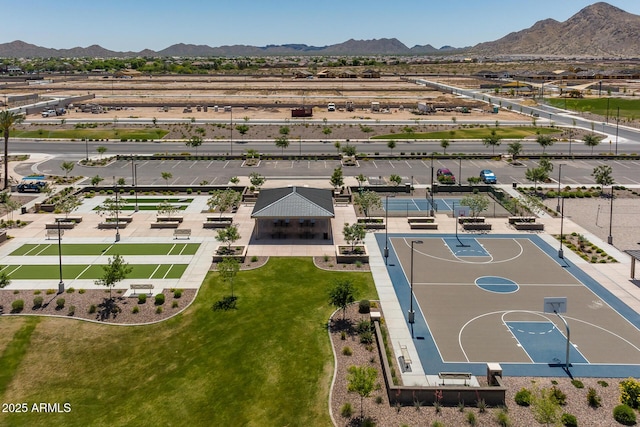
493 370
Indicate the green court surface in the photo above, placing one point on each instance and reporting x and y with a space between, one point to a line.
89 249
91 272
156 200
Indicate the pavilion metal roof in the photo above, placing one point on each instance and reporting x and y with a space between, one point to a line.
294 202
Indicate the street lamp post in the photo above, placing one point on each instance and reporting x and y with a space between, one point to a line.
411 312
135 184
617 126
61 282
86 148
115 186
560 251
559 174
386 227
231 130
431 213
610 237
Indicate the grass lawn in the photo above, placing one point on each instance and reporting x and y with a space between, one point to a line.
104 133
268 363
629 108
156 200
144 207
91 272
75 249
474 133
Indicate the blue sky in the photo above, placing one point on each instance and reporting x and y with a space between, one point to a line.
134 25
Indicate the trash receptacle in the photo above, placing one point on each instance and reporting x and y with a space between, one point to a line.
514 185
23 210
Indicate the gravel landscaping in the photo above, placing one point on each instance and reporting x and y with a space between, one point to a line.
378 408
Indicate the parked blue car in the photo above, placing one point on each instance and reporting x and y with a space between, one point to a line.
488 177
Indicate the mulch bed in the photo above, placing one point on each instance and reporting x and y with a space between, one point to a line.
122 312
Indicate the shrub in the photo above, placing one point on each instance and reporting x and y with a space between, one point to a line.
630 392
82 291
603 383
364 306
523 397
593 399
60 303
363 326
142 298
50 291
558 396
174 304
502 417
159 299
343 335
569 420
254 258
481 405
624 415
135 309
347 351
379 400
577 383
346 410
37 302
72 310
366 337
70 290
92 309
159 309
17 306
471 419
177 293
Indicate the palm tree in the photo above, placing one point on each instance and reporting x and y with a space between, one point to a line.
7 120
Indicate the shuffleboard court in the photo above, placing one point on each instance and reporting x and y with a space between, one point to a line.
91 271
71 249
486 305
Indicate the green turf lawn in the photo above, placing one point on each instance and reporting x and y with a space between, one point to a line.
155 200
144 207
77 249
474 133
98 133
91 272
268 363
629 108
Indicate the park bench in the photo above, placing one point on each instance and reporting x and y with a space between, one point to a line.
53 233
137 287
126 219
76 219
514 219
473 226
406 359
165 224
112 225
470 219
529 226
64 225
444 376
182 232
422 223
169 218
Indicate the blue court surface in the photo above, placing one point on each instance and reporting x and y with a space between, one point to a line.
424 205
479 299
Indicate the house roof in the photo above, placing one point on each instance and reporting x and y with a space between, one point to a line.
293 202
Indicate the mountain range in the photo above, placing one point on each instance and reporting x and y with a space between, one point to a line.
598 30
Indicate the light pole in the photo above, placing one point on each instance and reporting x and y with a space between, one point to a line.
115 186
86 147
231 130
135 184
610 237
411 312
560 251
61 282
386 227
432 207
559 174
617 126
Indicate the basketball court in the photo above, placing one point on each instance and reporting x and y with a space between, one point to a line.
480 299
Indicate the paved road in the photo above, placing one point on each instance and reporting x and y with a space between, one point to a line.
220 171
